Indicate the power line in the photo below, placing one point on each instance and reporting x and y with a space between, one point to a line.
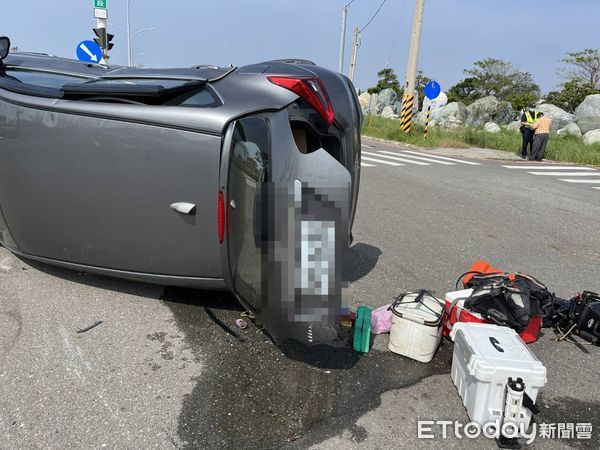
374 15
387 64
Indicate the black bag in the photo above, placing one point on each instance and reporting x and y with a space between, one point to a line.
509 300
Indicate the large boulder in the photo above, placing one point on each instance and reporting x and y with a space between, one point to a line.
587 114
570 130
591 137
489 109
560 118
437 103
364 99
514 126
398 107
389 112
453 115
492 127
387 97
373 103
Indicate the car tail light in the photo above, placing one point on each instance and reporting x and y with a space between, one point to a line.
312 90
221 216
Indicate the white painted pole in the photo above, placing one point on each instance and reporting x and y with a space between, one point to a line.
129 49
101 23
354 51
343 39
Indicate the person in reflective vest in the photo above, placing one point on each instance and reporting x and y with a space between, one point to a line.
528 120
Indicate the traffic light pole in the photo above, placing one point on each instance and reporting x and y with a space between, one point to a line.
101 24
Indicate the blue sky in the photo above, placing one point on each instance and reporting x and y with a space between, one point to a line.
533 34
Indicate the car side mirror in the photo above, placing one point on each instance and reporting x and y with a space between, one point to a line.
4 47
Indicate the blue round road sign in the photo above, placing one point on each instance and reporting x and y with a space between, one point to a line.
432 90
89 51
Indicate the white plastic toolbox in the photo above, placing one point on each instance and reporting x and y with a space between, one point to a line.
484 357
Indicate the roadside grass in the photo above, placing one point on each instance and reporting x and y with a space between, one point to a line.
567 149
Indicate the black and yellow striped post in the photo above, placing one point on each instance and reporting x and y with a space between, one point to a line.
427 117
407 112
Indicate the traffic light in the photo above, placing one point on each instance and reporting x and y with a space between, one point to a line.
103 39
109 37
101 36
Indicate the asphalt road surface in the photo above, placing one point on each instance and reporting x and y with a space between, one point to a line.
159 373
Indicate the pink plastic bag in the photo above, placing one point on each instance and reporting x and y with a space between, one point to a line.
381 320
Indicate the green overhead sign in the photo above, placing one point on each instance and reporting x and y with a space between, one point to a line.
99 3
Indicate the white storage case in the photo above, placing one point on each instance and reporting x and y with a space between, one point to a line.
416 326
485 356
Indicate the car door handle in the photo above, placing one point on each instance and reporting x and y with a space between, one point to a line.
184 208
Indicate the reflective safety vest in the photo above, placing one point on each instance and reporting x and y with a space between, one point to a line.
531 120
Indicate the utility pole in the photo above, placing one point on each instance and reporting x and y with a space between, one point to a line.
411 70
129 53
354 51
343 38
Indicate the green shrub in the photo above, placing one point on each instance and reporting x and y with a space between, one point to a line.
568 148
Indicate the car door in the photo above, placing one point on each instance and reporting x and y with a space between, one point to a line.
86 188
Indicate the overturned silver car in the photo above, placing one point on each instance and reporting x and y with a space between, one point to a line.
243 179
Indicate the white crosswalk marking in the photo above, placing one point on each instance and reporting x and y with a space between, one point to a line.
404 155
581 181
566 174
575 174
395 158
445 158
362 164
549 168
389 163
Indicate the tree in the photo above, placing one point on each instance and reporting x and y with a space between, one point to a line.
523 91
571 95
387 80
420 83
491 76
464 91
499 78
583 67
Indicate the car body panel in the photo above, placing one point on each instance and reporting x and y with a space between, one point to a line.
97 192
96 181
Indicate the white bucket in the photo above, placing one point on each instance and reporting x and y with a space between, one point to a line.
416 326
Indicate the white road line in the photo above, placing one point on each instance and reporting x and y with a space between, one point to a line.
566 174
404 155
362 164
581 181
549 167
594 187
445 158
368 146
381 161
379 154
